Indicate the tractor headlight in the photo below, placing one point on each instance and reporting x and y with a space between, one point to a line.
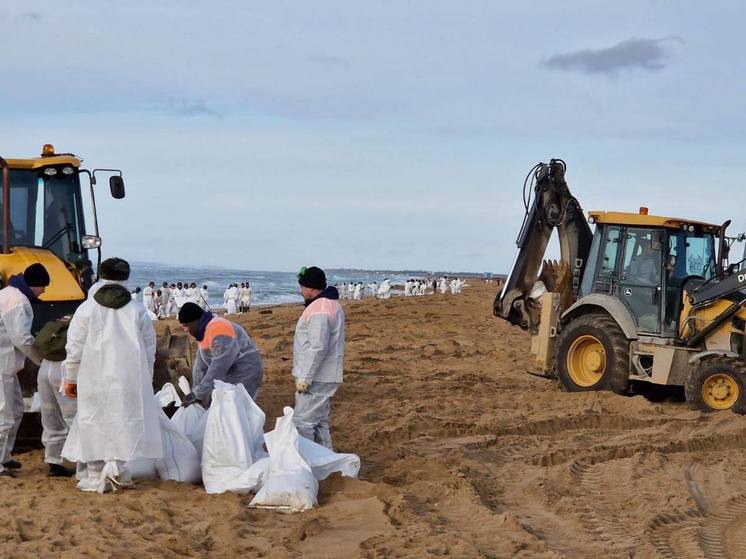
67 171
90 241
50 171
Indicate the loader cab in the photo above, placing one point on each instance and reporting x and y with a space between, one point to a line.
645 262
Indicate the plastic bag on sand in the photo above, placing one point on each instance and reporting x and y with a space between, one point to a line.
323 462
290 485
168 395
233 439
191 422
180 460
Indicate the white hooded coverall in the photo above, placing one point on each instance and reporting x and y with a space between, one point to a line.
16 343
110 356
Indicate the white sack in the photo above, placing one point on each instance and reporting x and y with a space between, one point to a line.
233 439
184 385
191 422
323 462
168 395
180 460
290 485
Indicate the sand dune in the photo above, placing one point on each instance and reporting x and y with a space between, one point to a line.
464 454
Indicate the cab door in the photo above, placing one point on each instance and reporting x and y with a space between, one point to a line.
640 286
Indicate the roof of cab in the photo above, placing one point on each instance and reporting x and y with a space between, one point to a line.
645 220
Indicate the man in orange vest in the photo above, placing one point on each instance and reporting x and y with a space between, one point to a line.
225 352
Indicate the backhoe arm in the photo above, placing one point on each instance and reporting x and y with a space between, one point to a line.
551 207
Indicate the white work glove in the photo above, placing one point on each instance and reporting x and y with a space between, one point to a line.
302 386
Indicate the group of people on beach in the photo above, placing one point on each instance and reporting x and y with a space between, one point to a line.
412 287
167 300
95 380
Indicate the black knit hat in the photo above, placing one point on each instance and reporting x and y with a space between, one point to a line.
36 275
190 312
114 269
312 277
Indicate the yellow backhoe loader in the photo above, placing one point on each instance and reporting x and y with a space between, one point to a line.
43 221
642 298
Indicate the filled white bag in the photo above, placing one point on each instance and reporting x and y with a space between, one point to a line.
168 395
234 433
290 485
323 462
180 460
191 422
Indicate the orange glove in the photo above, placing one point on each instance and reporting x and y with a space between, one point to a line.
71 390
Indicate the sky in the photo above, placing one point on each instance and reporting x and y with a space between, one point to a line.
378 135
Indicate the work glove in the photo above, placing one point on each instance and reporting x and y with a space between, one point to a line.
71 390
302 386
189 399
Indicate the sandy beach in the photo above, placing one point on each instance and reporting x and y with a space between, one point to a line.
464 454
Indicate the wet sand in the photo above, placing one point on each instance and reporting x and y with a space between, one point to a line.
463 454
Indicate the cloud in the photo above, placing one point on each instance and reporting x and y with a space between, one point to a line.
643 54
190 107
33 16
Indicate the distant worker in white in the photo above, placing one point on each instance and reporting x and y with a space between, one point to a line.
109 368
204 294
384 292
16 343
148 297
57 410
318 355
358 291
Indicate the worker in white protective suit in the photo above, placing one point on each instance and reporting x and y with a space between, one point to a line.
358 291
229 299
373 289
204 294
225 352
148 297
384 292
57 410
109 368
16 343
318 355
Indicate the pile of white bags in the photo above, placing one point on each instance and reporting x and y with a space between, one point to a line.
228 439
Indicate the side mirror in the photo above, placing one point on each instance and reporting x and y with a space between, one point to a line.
116 185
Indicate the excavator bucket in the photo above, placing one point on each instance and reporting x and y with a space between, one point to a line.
173 358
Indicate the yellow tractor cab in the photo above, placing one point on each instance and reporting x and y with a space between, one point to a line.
644 261
43 221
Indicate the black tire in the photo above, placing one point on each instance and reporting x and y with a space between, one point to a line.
615 373
722 373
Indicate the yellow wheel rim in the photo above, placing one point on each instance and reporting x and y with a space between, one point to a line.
586 361
720 391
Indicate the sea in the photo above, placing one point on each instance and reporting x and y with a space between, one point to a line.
269 288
